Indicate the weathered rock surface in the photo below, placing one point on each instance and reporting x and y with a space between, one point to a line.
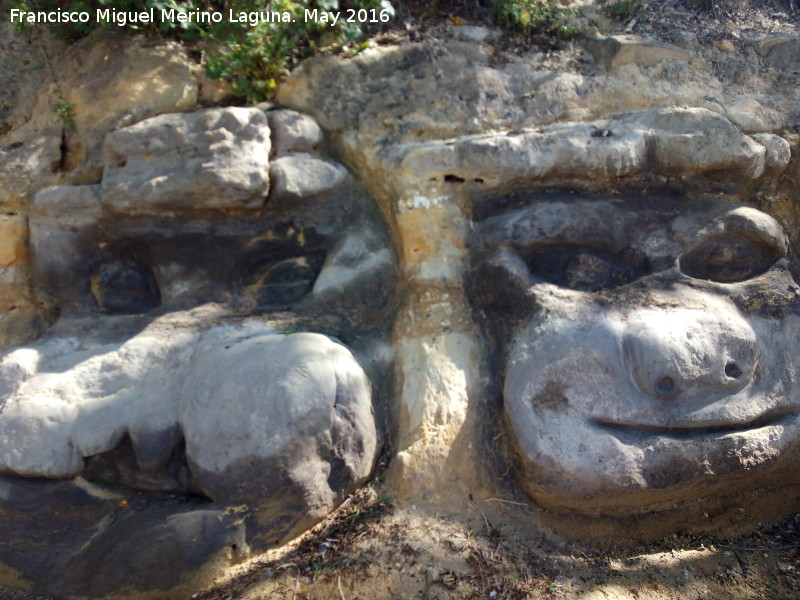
303 175
616 50
666 141
12 240
783 53
293 132
109 81
675 317
299 406
779 153
215 158
124 399
620 405
749 115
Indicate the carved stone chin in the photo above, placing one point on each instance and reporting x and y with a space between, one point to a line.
648 349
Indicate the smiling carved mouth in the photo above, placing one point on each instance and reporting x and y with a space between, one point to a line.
699 429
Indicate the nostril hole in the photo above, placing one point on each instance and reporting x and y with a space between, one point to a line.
665 385
732 370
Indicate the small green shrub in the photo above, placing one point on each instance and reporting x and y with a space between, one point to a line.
252 57
536 16
624 10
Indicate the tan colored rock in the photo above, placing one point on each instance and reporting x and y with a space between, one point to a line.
293 132
696 139
214 91
215 158
751 116
724 46
616 50
27 165
14 286
13 239
20 324
110 81
784 54
668 141
779 152
765 45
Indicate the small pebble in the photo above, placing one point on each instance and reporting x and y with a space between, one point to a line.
724 46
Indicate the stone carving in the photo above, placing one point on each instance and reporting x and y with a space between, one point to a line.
647 349
207 390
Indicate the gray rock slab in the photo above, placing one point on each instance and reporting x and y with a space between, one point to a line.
302 175
294 399
616 50
215 158
779 152
672 141
293 132
784 54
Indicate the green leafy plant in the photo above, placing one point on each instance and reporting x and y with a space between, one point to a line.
624 10
253 57
536 16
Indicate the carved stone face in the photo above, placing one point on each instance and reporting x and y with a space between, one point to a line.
207 389
649 349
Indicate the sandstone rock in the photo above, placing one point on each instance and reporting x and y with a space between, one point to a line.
635 381
724 46
697 139
110 81
783 54
358 254
215 158
213 92
299 408
563 151
471 33
21 322
58 216
67 205
293 132
617 50
26 166
779 152
668 141
122 399
684 39
303 176
13 239
751 116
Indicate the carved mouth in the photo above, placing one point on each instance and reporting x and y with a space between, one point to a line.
699 429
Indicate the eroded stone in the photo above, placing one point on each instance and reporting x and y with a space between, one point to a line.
616 50
293 132
638 341
215 158
197 376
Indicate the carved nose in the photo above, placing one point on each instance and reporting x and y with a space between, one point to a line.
685 354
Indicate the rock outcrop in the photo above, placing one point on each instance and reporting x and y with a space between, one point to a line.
228 359
557 280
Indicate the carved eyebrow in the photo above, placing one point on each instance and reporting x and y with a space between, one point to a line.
556 222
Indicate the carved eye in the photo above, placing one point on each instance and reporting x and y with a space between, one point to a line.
729 259
278 284
125 285
586 269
